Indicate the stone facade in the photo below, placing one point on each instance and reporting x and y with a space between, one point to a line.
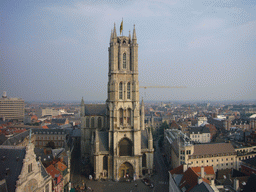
114 135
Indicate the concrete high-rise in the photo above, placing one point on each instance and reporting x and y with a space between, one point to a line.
11 108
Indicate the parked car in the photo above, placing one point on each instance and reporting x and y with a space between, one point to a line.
146 181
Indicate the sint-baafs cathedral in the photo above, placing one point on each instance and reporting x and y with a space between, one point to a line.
114 136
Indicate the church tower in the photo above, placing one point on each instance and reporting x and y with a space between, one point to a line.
113 135
123 107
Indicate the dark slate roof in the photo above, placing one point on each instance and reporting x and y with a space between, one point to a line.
250 162
44 157
251 184
11 164
95 109
17 138
49 131
76 133
198 130
202 187
144 139
2 139
43 170
103 139
58 121
53 126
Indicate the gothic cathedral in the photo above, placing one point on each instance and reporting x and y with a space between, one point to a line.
113 134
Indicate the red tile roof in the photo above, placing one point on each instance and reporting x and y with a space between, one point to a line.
177 170
190 180
52 171
61 166
208 170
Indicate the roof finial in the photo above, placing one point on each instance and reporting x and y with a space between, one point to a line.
134 38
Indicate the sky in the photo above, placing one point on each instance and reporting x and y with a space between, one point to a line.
58 50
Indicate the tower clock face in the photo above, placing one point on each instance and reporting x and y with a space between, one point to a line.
31 186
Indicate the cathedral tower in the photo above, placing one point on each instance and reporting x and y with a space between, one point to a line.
122 147
123 106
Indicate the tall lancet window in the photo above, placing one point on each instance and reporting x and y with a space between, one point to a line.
128 90
121 116
129 114
124 61
120 90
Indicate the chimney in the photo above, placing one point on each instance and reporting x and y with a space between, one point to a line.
199 180
202 172
185 167
212 182
236 184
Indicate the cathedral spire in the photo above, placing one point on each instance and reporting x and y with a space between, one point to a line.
82 101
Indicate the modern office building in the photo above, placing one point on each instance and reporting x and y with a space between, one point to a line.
11 108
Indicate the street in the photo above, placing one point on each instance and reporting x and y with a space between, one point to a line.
160 179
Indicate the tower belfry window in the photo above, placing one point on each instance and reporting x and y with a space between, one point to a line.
124 61
120 90
128 90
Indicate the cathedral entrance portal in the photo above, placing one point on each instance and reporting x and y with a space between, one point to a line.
125 170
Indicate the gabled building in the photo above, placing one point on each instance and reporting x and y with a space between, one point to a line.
19 170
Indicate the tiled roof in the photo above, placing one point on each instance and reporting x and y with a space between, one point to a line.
61 166
177 170
202 187
213 148
16 139
95 109
11 164
208 170
52 171
199 130
250 162
190 180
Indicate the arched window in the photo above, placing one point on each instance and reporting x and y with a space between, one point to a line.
129 114
87 122
125 147
121 116
128 90
99 122
120 90
144 160
92 122
124 61
105 162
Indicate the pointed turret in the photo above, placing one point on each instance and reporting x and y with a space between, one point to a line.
114 32
134 38
142 116
111 35
130 40
82 108
150 139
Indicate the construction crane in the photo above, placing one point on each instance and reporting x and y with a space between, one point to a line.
171 87
145 87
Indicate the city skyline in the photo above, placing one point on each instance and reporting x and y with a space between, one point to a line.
57 51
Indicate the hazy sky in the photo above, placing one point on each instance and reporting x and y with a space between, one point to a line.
58 50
